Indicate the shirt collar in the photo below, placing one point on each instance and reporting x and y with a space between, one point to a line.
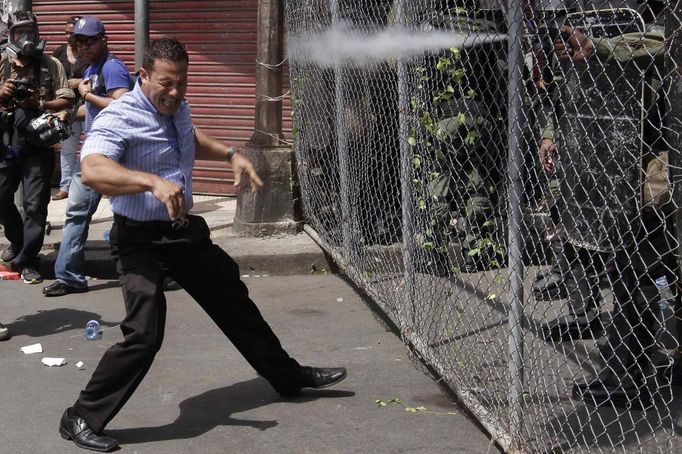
139 96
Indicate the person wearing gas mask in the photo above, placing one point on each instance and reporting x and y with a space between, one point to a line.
32 85
105 79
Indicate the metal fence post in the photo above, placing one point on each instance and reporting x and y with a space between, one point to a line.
342 147
673 34
515 165
405 178
141 30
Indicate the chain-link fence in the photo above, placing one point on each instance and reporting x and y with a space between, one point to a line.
496 176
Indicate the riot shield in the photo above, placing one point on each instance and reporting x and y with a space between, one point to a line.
600 157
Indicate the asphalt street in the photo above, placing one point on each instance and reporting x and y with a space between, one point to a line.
201 396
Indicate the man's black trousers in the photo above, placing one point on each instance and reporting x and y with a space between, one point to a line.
33 169
146 252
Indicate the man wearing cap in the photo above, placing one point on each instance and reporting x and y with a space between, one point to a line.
104 80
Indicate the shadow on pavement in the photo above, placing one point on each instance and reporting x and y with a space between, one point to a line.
103 285
54 321
203 413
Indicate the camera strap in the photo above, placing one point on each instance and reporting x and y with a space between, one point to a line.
36 63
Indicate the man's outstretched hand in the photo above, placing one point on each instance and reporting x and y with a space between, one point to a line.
242 166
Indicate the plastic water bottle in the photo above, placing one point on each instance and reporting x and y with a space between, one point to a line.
667 329
107 235
92 331
665 292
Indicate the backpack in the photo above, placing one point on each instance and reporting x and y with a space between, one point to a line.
100 80
100 75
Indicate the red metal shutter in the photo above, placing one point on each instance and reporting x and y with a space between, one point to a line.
220 37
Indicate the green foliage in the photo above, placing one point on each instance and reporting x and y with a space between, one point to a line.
435 138
489 246
409 409
416 161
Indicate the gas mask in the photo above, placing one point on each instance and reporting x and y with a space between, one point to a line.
24 40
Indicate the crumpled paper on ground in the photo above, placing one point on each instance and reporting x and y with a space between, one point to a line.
34 348
53 361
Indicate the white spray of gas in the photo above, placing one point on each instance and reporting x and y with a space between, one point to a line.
343 45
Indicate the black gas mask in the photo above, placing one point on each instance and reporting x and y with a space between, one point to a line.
24 40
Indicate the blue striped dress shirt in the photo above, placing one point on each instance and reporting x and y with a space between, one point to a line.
132 132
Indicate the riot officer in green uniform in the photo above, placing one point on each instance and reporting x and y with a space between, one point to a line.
473 181
461 177
640 231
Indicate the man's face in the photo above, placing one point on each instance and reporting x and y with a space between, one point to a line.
24 33
68 31
165 86
91 48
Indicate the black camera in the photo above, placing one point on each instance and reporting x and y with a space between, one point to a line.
22 88
47 130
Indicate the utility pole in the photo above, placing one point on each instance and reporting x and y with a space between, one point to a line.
275 208
141 30
269 56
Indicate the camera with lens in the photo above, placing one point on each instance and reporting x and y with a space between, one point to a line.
47 130
22 88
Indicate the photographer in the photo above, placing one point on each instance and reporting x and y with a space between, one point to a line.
32 83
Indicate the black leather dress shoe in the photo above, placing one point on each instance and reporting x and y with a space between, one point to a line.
573 326
549 287
317 377
75 428
623 394
59 288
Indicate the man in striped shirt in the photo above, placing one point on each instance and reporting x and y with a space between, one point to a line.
140 151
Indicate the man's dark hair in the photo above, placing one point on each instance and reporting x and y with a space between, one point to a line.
165 49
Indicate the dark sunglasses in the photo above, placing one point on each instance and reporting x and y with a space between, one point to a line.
87 42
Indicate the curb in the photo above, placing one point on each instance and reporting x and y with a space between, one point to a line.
277 256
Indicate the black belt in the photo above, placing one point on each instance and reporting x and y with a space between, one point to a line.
155 226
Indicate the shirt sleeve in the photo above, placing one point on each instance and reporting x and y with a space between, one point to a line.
115 74
642 48
59 51
60 85
106 136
